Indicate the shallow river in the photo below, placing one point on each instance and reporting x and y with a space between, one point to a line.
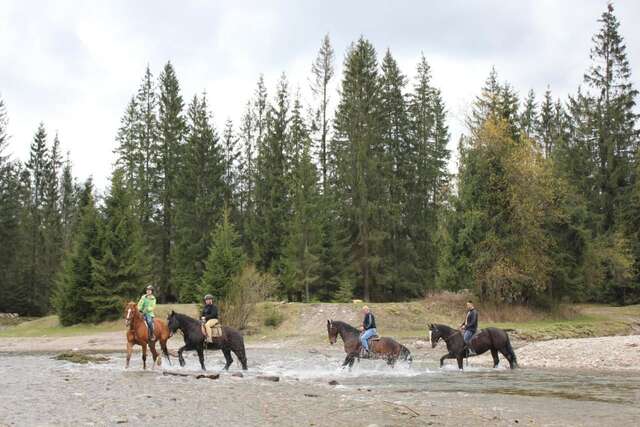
37 390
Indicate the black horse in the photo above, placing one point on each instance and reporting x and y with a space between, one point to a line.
194 339
493 339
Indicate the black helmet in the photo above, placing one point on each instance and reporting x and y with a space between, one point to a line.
208 296
150 287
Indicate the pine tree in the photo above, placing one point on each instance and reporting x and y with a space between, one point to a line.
302 246
200 199
75 285
613 117
231 156
529 116
68 204
357 147
51 220
171 126
322 71
224 262
4 137
122 268
38 170
271 186
247 175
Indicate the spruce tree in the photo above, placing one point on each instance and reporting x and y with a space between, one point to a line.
322 71
302 246
122 268
75 283
231 156
271 185
171 127
200 199
38 168
357 146
224 262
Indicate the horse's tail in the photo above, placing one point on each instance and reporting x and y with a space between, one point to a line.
511 352
405 354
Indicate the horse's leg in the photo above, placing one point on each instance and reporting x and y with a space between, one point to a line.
200 351
460 360
227 357
144 355
241 355
346 360
154 355
496 359
180 358
165 351
129 351
446 356
507 356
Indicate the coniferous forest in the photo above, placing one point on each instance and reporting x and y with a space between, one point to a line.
346 196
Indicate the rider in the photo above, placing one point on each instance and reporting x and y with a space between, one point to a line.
368 328
209 316
146 305
470 324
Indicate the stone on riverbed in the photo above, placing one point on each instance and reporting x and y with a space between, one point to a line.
74 357
273 378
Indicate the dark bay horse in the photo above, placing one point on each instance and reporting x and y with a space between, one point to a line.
493 339
384 348
194 339
137 333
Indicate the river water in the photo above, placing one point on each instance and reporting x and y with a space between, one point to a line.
37 390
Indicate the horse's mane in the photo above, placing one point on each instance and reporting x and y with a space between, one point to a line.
444 328
343 325
184 317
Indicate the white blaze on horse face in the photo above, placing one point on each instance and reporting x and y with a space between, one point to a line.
128 316
430 339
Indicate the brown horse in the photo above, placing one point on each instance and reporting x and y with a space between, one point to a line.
137 333
383 348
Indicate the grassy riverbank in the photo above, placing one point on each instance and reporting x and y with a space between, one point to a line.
276 321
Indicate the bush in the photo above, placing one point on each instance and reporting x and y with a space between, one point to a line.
248 289
345 291
273 317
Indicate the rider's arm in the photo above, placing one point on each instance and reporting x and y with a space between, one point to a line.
367 321
141 303
214 312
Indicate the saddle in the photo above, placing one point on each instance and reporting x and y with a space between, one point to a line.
363 353
216 328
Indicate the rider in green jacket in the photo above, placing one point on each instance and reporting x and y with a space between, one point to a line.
146 305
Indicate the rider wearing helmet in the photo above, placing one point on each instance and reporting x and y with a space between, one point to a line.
146 305
210 317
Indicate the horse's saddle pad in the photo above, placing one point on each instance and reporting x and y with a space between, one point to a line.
374 338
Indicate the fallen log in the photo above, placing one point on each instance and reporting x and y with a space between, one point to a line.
196 376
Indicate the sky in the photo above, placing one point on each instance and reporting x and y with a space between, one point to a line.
75 65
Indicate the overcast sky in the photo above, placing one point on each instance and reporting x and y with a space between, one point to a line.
74 65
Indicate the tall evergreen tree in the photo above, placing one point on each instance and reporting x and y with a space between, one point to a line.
38 168
225 260
322 71
75 283
357 147
171 126
231 155
302 246
122 268
200 199
271 184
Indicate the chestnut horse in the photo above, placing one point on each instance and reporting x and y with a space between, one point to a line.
137 333
382 348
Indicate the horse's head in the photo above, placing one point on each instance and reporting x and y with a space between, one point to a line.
173 323
130 310
332 330
434 334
